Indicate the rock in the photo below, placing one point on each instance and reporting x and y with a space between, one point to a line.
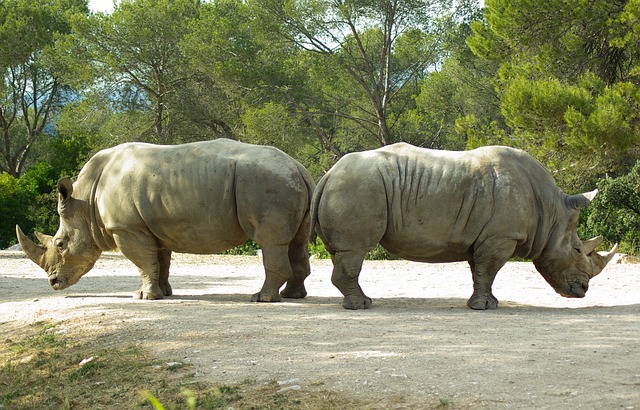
288 388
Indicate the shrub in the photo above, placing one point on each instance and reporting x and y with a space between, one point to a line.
28 201
615 212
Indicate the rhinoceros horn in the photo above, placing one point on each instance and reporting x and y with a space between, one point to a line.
600 260
589 245
34 251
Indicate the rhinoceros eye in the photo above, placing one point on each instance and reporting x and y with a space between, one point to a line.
60 244
578 250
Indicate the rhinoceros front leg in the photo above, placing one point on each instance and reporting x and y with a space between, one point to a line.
346 270
275 259
143 252
485 264
299 261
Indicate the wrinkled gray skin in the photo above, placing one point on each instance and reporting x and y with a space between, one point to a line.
483 206
203 198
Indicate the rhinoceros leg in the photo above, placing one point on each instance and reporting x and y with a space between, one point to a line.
143 252
346 270
299 261
164 258
275 259
485 263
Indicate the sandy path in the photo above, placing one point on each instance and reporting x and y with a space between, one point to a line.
417 345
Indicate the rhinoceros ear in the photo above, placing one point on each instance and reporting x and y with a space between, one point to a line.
580 200
65 189
46 240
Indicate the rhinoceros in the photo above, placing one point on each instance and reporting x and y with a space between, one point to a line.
204 197
483 206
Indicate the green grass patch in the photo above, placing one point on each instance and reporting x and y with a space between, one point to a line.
44 367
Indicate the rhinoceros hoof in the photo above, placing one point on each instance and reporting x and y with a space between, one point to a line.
166 289
294 293
266 297
356 302
482 302
149 292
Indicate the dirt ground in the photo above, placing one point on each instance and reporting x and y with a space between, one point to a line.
418 346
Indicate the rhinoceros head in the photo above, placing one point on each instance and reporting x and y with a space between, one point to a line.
70 253
567 263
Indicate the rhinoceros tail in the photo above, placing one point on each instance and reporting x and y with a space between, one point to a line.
306 220
317 194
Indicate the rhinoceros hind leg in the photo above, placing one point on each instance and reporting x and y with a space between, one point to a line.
294 290
299 260
164 258
346 270
277 271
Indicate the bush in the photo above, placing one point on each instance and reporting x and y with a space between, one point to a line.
247 248
29 201
318 250
12 209
615 212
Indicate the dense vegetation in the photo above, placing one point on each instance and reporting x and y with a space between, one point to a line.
321 78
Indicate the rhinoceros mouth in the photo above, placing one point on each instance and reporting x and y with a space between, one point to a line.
576 290
55 282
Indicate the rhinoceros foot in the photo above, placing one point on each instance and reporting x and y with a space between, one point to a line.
150 293
266 296
166 289
294 291
355 302
482 302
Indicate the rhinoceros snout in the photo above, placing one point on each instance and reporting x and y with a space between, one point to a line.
55 283
578 290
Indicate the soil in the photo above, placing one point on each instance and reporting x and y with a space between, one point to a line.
418 346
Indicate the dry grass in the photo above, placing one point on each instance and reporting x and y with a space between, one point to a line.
45 368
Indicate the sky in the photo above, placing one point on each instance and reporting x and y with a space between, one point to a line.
101 5
107 5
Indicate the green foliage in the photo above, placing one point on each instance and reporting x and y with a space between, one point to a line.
248 248
12 208
615 211
567 86
28 202
317 249
33 83
136 57
610 120
379 253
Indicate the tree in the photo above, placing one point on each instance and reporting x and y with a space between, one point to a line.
33 85
567 80
457 101
135 52
382 47
346 71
